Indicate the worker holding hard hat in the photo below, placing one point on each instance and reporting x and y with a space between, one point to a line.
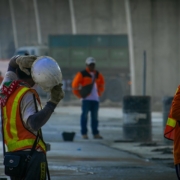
23 117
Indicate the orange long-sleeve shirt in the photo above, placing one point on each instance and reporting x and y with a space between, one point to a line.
84 78
175 113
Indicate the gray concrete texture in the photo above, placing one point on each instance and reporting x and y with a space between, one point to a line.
155 26
112 158
155 29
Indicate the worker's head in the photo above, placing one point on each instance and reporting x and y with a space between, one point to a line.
90 63
23 76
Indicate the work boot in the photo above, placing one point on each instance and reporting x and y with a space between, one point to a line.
84 136
97 136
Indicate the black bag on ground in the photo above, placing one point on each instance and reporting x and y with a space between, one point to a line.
15 164
86 90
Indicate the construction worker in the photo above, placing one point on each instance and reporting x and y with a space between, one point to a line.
172 129
92 83
21 121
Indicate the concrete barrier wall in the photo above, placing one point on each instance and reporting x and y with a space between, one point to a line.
54 17
25 22
165 47
92 17
155 25
142 39
156 30
6 34
100 17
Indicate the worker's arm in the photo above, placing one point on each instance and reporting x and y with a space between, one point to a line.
76 84
101 84
38 119
175 110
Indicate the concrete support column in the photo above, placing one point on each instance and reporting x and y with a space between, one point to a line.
142 41
13 23
131 47
73 19
37 22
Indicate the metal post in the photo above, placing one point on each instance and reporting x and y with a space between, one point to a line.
131 48
144 75
13 24
37 22
73 19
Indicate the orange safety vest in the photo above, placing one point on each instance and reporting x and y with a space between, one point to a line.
16 136
169 129
170 125
84 78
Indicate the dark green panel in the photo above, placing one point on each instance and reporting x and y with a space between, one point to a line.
99 53
78 54
99 41
80 41
88 41
61 55
102 63
110 51
119 53
59 40
78 64
118 41
119 63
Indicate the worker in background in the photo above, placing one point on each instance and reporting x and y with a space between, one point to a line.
172 129
88 85
17 100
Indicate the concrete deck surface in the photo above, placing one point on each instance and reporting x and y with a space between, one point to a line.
110 158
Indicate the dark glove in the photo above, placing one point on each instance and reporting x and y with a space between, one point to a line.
56 94
25 62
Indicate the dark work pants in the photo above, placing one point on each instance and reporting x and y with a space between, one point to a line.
92 107
36 169
177 167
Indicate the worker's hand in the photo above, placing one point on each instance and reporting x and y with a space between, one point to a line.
25 62
57 94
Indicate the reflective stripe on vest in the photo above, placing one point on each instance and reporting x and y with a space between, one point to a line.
13 122
171 122
7 138
169 129
13 113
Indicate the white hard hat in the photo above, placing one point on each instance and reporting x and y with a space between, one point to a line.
46 72
90 60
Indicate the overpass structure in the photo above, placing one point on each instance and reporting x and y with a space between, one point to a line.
151 25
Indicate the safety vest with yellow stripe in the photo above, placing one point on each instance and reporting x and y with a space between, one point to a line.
169 129
16 136
171 124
